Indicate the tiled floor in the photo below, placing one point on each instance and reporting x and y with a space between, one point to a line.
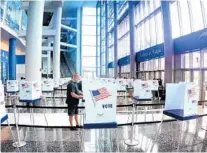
192 139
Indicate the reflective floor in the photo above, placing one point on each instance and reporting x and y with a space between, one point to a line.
172 137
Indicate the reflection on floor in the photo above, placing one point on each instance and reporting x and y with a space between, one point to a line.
193 138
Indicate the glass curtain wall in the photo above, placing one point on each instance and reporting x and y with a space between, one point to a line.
189 16
148 33
123 38
98 40
110 6
103 39
89 42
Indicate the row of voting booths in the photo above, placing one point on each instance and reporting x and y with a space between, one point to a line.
32 90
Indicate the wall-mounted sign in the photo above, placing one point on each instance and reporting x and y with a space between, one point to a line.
150 53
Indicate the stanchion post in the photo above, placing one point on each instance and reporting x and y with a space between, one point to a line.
132 141
19 143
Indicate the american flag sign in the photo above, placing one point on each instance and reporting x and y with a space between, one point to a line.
191 92
100 94
25 85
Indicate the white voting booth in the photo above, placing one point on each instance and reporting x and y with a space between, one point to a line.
154 84
12 86
142 89
121 84
100 105
3 114
182 96
47 85
56 84
30 90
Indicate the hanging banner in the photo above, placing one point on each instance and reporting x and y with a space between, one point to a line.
100 105
182 97
12 86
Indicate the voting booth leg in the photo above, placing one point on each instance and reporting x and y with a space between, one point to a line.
19 143
132 141
180 135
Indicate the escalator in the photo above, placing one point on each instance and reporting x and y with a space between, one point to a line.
64 69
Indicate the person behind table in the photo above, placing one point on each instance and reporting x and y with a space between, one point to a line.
72 100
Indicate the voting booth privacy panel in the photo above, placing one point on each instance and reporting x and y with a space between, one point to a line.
3 114
12 86
183 98
30 91
47 85
100 105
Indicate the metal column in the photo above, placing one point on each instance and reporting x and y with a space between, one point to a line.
132 42
106 41
115 42
168 42
97 34
100 39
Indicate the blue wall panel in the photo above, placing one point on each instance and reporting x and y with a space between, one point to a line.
191 42
20 59
150 53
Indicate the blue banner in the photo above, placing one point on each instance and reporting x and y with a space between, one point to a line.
111 65
124 61
150 53
191 42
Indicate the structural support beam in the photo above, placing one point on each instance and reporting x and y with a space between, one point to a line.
68 28
100 38
97 34
168 42
79 50
106 41
115 42
56 52
132 42
34 41
68 45
12 59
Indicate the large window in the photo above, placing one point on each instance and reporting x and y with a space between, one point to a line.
196 15
89 42
175 20
123 38
152 69
159 28
185 17
148 25
188 16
